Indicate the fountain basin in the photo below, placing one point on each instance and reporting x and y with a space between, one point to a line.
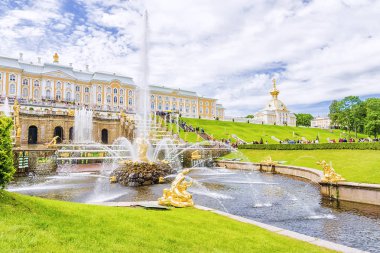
140 173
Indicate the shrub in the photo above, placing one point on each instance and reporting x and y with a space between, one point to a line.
6 156
357 146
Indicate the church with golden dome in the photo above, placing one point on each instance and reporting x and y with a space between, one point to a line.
275 112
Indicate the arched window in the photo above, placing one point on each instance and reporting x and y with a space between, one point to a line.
58 95
115 100
130 101
25 82
187 109
12 77
12 89
58 85
36 83
48 84
180 108
174 107
48 94
36 94
87 89
77 98
115 91
108 89
152 105
99 98
25 92
121 100
108 99
193 109
167 106
200 110
152 97
167 98
86 99
160 106
121 91
99 88
130 93
206 110
68 95
68 85
77 88
159 98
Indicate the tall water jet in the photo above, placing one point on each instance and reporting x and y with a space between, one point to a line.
83 126
6 109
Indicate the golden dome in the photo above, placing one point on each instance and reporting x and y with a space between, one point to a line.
55 58
274 92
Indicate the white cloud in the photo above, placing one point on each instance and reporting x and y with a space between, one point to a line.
321 50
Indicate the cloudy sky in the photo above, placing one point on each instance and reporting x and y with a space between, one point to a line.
318 50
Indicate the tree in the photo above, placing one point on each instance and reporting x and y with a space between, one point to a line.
372 122
303 119
6 156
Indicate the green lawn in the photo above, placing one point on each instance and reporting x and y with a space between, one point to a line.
30 224
251 132
354 165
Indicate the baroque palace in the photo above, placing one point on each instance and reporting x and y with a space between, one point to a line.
48 91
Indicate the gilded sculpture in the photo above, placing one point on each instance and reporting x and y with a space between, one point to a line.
329 174
269 161
177 195
52 143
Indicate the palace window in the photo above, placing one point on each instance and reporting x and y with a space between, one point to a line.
174 107
115 91
48 94
108 99
121 92
212 111
160 106
68 85
87 89
68 96
109 89
187 109
99 88
180 100
12 89
130 93
58 95
167 98
0 76
25 82
181 108
167 106
58 85
121 100
86 99
115 100
193 109
25 92
130 101
36 83
173 99
99 98
152 105
200 110
77 88
12 77
36 94
77 98
201 103
206 110
159 98
48 84
206 103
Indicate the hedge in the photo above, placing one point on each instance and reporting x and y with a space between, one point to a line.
6 155
345 145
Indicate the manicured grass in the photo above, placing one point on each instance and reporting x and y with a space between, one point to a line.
29 224
354 165
251 132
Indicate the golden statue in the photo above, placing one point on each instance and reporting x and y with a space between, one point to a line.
195 155
269 161
71 112
142 150
177 195
16 115
329 174
52 143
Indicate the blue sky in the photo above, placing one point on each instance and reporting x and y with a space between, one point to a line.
231 50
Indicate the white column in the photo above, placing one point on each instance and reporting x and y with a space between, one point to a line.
43 88
18 86
4 77
93 94
30 93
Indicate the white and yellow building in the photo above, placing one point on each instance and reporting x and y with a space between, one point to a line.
60 85
275 112
321 122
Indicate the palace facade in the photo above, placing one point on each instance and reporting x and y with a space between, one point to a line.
275 112
60 86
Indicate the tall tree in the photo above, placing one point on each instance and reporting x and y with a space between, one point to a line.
303 119
372 124
6 155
